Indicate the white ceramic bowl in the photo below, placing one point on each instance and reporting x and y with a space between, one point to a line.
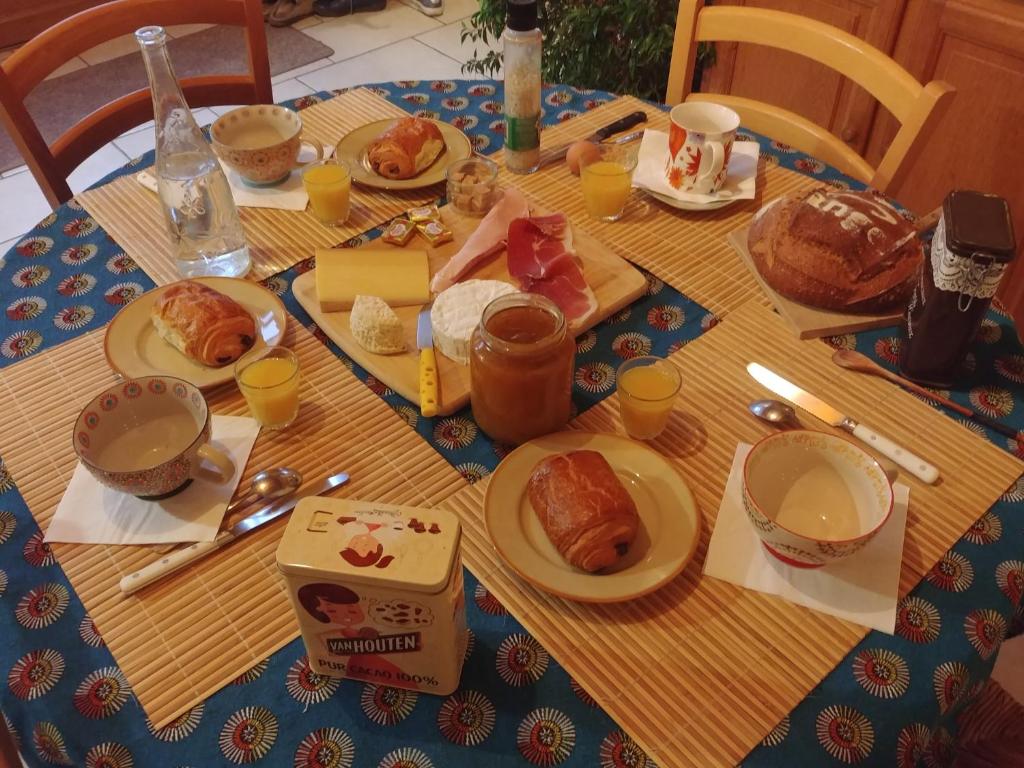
814 498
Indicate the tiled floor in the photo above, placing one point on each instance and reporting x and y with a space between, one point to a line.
396 44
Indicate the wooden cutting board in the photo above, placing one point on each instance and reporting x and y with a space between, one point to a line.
614 282
809 322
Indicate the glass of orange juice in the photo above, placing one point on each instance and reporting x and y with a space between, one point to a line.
269 380
328 184
647 388
607 178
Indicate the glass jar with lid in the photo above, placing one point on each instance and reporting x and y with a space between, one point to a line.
973 245
521 364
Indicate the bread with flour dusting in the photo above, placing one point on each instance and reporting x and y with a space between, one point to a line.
837 250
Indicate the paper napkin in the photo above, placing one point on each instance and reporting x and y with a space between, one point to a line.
289 195
740 183
91 513
863 588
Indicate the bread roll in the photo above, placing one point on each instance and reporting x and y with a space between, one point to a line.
837 250
405 149
203 323
585 511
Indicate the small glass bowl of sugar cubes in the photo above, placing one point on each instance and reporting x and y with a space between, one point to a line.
473 185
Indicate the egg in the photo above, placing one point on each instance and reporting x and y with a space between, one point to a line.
578 152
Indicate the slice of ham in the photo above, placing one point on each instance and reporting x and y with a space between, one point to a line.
542 259
487 239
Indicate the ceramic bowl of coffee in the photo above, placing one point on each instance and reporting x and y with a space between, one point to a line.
148 437
814 498
260 143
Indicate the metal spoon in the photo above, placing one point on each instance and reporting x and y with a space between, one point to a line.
776 413
268 484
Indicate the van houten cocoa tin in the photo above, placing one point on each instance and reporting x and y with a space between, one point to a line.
378 591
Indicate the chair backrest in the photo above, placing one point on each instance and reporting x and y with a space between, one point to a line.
29 65
917 107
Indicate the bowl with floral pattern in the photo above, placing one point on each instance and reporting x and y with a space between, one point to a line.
814 498
149 437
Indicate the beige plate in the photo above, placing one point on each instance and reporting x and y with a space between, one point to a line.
669 521
352 149
133 347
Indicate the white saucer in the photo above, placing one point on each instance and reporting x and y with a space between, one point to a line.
686 205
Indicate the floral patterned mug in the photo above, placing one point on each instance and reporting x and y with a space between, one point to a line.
699 146
148 437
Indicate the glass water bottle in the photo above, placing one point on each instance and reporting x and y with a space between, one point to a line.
195 194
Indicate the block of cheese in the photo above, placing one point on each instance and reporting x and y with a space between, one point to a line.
399 278
375 326
457 311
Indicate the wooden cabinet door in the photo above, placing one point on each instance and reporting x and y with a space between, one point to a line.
977 46
802 85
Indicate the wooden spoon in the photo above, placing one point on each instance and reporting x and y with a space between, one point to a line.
855 361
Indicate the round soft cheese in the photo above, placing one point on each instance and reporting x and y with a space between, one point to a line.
457 311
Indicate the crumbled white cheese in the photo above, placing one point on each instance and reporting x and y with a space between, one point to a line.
375 326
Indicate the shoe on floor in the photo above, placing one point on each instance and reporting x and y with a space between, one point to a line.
268 8
345 7
289 11
428 7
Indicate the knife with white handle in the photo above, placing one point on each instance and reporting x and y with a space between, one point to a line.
915 465
179 558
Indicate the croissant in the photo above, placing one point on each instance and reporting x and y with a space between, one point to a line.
203 323
405 149
584 509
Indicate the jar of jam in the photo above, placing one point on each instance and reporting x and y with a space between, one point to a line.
973 243
521 364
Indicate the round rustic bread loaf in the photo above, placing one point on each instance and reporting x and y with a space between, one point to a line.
837 250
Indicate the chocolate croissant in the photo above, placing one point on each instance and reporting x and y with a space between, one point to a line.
203 324
584 509
405 149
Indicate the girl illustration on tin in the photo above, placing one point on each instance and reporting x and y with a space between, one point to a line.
339 606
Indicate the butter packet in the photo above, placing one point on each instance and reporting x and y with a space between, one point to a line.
399 232
435 232
424 213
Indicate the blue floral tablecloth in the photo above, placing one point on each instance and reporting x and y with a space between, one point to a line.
892 701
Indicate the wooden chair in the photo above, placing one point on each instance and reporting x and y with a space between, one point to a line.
918 108
30 64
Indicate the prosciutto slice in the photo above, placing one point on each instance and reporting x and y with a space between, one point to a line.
487 239
542 259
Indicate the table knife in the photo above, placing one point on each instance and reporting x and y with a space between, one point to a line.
179 558
633 118
915 465
428 363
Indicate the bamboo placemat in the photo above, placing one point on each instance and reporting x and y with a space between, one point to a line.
187 636
685 248
701 670
277 239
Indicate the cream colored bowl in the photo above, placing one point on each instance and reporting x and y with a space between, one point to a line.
148 437
260 143
814 498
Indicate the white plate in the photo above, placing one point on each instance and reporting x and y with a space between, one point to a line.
134 348
665 542
685 205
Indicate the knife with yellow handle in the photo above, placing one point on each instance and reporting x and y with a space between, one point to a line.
428 364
